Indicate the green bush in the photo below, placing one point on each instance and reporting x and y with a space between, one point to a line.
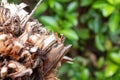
92 27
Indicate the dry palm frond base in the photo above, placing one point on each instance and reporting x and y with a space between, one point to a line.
27 50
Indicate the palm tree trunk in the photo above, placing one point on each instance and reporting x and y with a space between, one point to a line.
27 50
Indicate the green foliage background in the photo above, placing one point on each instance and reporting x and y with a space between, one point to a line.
93 28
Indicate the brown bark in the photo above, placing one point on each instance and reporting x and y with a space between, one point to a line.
27 50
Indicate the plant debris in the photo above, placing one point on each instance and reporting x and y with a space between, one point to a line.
27 50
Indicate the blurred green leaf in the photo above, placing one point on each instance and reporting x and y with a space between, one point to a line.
111 1
64 68
100 75
94 24
114 22
108 45
114 2
85 2
115 57
91 25
99 42
49 22
100 62
72 6
67 24
51 3
71 73
58 8
106 8
63 1
115 36
71 34
84 34
104 28
99 4
85 74
84 18
117 1
72 18
42 8
110 69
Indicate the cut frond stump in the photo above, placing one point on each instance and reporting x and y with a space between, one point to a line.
27 50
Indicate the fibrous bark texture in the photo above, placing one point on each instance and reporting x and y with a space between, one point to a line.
27 50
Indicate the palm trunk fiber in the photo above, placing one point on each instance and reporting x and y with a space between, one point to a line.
27 50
